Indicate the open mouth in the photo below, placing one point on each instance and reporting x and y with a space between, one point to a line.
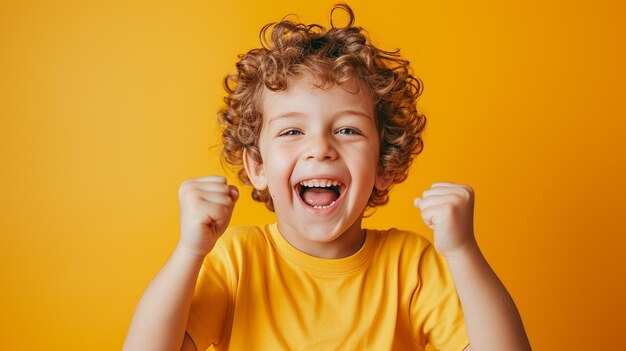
320 193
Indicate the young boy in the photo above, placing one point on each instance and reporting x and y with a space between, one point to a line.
321 124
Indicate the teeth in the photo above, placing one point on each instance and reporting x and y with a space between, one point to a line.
327 206
319 183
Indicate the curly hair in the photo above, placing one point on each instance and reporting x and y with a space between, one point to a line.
335 56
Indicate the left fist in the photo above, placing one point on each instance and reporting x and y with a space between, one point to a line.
448 209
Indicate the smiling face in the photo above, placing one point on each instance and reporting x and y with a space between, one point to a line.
320 151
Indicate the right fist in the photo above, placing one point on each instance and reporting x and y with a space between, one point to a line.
206 206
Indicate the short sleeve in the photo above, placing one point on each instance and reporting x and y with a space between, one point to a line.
209 314
435 308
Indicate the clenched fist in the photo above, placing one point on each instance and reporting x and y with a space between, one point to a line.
448 209
206 206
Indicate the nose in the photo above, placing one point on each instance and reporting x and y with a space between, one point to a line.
320 147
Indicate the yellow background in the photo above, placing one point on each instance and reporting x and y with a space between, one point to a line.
108 106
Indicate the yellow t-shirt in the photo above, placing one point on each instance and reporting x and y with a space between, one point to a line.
257 292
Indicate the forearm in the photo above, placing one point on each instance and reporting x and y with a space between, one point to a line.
161 316
491 317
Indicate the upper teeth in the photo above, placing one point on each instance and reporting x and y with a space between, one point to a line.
319 183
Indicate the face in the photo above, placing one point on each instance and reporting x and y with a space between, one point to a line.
320 151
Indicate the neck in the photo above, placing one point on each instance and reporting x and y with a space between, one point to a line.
345 244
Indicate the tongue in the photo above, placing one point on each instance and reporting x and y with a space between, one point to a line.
319 196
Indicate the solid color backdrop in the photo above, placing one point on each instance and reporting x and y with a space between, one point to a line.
107 106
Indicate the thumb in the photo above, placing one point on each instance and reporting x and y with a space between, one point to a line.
416 202
427 216
233 193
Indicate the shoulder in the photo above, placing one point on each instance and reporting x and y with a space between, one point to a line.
399 239
243 232
242 235
242 241
403 249
237 248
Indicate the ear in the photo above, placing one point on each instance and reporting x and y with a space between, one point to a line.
255 171
383 181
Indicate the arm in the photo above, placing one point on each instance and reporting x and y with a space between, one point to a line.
160 320
491 318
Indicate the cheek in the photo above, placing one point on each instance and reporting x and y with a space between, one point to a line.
278 165
364 170
367 154
368 168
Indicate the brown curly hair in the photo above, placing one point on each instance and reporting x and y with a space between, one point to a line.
335 56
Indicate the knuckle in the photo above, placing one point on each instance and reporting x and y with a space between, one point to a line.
468 190
185 187
188 195
465 193
196 207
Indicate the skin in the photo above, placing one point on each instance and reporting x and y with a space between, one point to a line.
310 133
491 317
313 133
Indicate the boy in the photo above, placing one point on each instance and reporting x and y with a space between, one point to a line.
321 124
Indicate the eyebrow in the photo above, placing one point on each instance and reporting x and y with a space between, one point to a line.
285 115
358 113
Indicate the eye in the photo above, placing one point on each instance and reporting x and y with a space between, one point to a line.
348 131
290 132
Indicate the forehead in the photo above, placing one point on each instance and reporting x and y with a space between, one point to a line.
307 94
